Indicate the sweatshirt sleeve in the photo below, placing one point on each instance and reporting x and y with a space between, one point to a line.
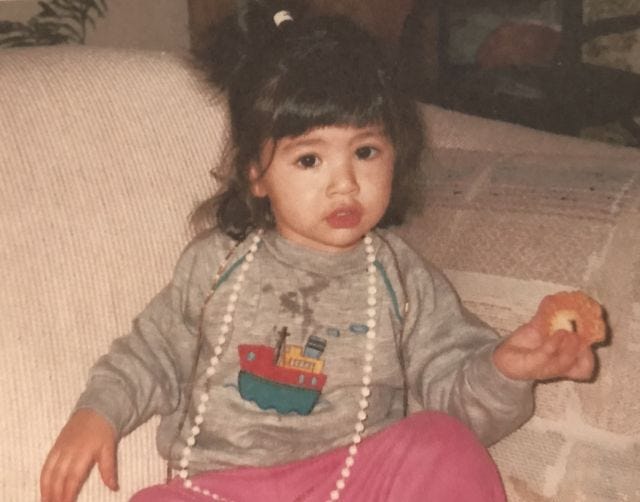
449 361
143 372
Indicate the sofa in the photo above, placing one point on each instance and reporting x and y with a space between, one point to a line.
104 153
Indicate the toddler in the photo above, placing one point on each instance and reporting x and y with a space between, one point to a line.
302 351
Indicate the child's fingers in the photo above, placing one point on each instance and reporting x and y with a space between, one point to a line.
56 487
569 345
584 365
571 357
107 466
526 337
76 472
46 477
63 475
553 358
54 480
86 438
523 353
552 345
528 355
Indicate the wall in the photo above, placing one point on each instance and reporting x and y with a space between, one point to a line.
143 24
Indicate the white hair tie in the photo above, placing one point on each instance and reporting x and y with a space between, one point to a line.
281 16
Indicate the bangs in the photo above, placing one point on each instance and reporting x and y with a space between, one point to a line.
325 105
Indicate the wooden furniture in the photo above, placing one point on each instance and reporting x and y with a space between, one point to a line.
564 96
384 18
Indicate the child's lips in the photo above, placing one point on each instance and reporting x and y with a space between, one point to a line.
345 217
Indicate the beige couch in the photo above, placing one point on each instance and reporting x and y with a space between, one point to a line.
103 153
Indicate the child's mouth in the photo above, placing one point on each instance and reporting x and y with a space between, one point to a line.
347 217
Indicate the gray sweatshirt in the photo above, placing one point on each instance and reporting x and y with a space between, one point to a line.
255 419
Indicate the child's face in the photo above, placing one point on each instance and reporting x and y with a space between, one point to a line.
327 187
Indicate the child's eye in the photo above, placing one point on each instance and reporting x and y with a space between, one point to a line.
366 152
308 161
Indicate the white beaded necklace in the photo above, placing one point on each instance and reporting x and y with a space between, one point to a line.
225 328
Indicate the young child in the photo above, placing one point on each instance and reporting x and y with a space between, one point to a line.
302 352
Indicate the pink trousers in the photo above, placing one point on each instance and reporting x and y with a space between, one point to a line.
427 457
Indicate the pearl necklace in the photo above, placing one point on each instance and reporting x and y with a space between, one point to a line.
225 328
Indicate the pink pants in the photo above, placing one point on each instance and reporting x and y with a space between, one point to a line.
426 457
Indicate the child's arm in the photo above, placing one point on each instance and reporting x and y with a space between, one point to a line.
450 361
461 368
85 440
140 376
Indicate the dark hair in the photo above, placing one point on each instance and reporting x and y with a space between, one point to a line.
285 80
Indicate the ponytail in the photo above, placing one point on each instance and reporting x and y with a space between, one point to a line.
254 27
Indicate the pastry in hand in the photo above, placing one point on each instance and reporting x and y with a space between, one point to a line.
571 311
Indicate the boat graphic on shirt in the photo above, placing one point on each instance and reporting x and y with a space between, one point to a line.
287 378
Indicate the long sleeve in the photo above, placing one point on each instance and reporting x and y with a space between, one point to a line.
449 361
143 373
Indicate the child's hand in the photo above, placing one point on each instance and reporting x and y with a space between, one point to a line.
527 354
86 439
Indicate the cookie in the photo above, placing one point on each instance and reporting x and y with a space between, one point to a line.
571 311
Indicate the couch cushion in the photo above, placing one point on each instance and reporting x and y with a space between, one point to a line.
508 229
103 154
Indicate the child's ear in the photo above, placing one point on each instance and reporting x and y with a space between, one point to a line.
255 181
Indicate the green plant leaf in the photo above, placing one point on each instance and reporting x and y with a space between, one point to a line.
8 27
17 42
58 21
57 30
99 6
76 12
46 10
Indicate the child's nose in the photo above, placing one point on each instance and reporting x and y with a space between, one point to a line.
343 179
